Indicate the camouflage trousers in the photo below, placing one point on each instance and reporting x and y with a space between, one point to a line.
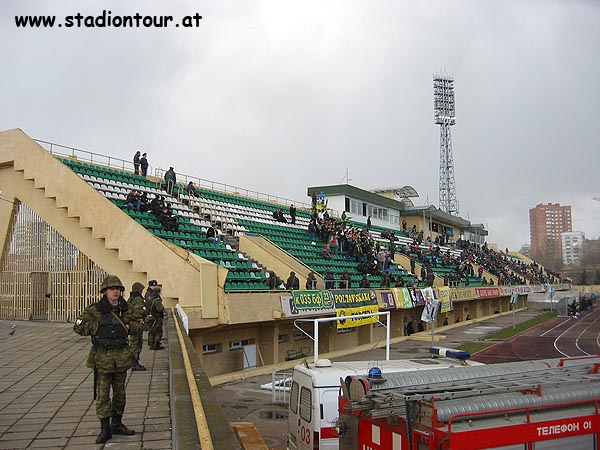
106 408
135 344
155 332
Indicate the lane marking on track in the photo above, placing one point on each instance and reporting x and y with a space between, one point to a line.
558 337
579 336
551 329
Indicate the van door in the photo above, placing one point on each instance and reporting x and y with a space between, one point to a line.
329 411
306 419
293 417
301 420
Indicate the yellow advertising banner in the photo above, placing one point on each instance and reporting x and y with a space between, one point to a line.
353 302
444 297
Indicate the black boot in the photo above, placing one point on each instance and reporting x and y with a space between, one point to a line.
157 346
105 433
137 366
117 427
151 345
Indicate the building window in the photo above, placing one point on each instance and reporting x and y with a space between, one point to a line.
299 336
211 348
345 330
234 345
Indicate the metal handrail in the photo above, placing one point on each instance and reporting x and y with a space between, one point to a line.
121 164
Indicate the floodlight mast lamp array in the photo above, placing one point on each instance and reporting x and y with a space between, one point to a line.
444 116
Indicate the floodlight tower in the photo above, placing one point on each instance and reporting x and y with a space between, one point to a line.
443 113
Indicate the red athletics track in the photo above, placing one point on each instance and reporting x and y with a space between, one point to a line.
557 338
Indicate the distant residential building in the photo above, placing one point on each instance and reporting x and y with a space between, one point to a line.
546 224
572 248
525 250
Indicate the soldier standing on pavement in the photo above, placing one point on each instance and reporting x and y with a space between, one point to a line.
148 297
137 306
155 320
107 322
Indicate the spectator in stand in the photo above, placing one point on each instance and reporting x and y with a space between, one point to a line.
278 216
364 282
404 225
329 280
399 281
410 282
136 162
144 164
292 214
382 259
191 189
167 219
333 244
345 280
445 321
133 200
273 281
325 252
312 230
420 326
369 222
413 261
410 329
170 180
213 235
292 283
386 280
144 203
311 281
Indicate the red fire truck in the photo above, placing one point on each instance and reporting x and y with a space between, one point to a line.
550 404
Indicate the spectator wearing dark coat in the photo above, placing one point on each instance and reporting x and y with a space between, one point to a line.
292 283
144 164
170 180
136 162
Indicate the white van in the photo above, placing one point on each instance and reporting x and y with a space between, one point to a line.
314 396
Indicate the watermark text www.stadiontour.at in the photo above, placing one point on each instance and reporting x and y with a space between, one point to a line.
108 20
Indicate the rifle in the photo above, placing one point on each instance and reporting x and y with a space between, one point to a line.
95 381
95 370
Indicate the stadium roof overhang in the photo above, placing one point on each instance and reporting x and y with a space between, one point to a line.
358 194
438 215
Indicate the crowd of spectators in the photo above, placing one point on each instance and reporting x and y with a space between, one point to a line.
508 270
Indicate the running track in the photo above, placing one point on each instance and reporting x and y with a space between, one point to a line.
557 338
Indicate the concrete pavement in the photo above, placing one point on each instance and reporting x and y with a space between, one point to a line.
46 398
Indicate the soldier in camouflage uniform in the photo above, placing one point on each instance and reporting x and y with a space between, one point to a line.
107 322
155 320
137 306
148 297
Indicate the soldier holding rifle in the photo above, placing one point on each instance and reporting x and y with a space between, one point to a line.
107 322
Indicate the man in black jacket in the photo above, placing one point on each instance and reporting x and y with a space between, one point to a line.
292 282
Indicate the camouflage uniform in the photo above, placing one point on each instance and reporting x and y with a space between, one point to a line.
137 306
110 356
155 321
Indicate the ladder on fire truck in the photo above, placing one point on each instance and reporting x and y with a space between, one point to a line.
385 401
489 406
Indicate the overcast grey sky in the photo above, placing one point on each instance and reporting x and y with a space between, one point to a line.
275 96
